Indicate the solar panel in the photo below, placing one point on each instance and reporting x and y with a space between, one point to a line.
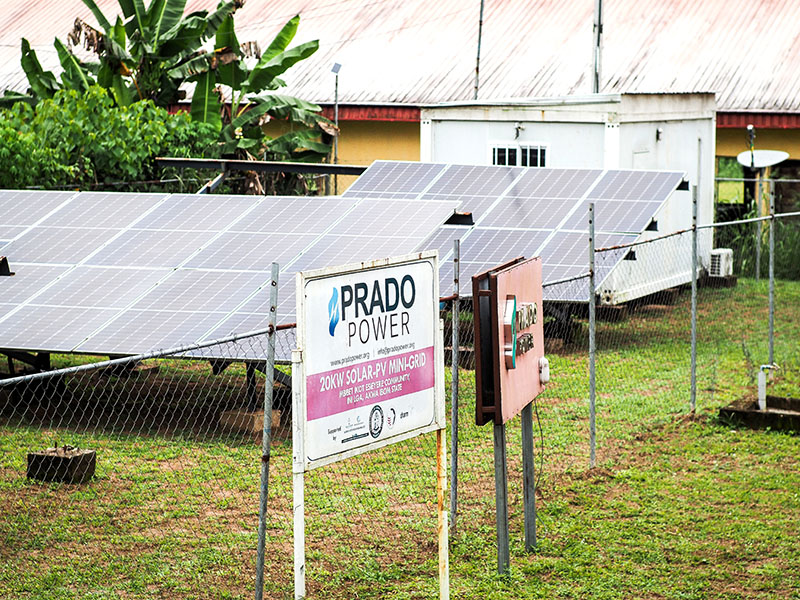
9 232
294 214
136 331
394 180
251 251
58 245
625 200
151 248
50 328
476 188
102 287
100 209
28 280
25 208
197 213
213 291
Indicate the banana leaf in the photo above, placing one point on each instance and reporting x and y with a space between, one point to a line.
268 69
206 106
43 83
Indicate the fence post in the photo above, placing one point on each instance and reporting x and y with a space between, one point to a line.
528 479
266 438
694 299
454 389
592 386
772 277
758 225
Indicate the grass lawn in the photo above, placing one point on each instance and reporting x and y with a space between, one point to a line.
678 506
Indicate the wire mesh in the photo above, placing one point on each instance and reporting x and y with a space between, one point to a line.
172 508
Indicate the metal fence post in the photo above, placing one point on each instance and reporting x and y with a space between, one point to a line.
592 323
758 225
266 438
694 299
454 389
772 277
528 479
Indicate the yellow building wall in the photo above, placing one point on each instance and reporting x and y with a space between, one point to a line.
730 142
362 142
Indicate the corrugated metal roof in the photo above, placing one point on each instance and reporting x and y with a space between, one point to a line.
421 52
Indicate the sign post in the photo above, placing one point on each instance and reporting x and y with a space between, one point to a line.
368 370
510 372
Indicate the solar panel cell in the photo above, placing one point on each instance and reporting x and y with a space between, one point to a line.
250 251
214 291
29 280
394 179
101 209
55 329
499 245
197 213
151 248
312 214
25 208
136 331
58 245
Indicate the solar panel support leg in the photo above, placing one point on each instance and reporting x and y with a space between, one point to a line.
40 361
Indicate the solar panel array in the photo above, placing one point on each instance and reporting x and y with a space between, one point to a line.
104 273
528 212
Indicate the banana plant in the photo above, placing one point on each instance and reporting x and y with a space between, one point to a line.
151 50
253 100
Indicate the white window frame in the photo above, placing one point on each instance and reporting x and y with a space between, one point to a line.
518 148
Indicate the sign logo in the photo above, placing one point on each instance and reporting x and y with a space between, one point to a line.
333 311
376 421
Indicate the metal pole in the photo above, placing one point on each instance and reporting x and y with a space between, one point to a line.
478 59
336 137
759 230
501 499
528 479
454 390
772 278
694 299
592 324
266 438
597 45
298 481
441 483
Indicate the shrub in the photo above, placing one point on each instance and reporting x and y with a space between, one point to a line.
82 140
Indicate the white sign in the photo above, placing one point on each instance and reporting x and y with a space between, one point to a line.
371 356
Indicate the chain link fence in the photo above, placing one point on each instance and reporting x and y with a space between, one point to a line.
174 446
173 508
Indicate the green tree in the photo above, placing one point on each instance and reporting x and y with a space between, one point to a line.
151 52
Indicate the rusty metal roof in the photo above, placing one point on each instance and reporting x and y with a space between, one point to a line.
415 52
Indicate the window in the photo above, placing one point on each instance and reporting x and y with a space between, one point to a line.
519 156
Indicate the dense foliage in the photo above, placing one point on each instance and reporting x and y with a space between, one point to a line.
82 140
154 53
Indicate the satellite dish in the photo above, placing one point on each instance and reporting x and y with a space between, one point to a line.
759 159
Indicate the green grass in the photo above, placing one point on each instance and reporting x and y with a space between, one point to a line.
679 506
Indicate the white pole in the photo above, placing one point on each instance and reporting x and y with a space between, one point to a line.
298 466
441 485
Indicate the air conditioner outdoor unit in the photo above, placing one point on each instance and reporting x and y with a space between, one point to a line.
721 262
